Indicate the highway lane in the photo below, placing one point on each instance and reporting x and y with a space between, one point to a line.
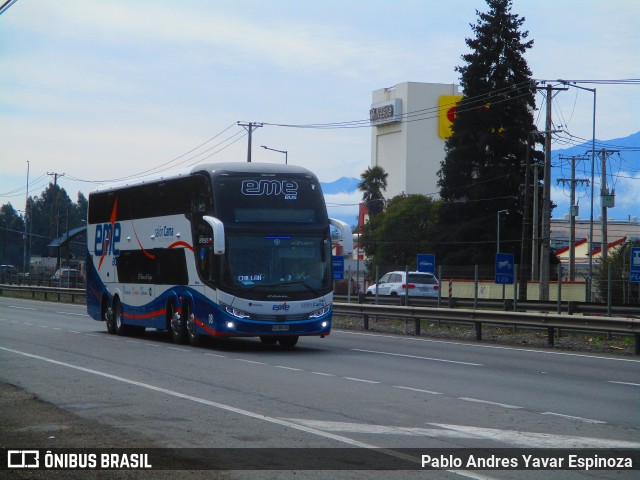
346 390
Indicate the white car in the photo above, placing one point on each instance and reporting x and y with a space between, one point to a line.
420 284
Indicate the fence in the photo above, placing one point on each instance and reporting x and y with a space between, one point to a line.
473 281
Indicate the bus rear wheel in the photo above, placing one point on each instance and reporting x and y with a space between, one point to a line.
177 326
190 318
288 342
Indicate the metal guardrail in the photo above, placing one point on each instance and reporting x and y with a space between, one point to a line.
496 304
545 320
75 293
627 325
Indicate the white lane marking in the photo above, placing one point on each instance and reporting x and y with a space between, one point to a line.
420 390
75 314
359 380
445 431
249 361
23 308
505 405
179 349
216 355
626 383
495 347
537 440
73 331
571 417
287 368
221 406
324 374
415 356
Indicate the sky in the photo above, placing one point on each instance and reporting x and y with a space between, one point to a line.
104 89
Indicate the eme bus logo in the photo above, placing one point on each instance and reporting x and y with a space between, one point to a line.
107 237
270 187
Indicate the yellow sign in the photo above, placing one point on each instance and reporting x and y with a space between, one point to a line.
447 105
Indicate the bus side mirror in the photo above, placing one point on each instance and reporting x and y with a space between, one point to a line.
218 234
347 238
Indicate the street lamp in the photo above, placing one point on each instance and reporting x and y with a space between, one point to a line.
279 151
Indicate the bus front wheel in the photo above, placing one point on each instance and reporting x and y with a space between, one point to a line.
288 342
107 316
120 327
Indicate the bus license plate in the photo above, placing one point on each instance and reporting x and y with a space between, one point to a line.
280 328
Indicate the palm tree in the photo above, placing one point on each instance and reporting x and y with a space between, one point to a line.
374 182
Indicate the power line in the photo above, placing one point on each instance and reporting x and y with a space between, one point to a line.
6 5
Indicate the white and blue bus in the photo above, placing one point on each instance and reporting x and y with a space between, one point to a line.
226 250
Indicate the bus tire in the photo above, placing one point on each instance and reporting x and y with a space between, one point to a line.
288 342
107 316
177 326
269 340
120 327
190 318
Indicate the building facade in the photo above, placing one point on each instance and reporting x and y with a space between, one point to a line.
410 123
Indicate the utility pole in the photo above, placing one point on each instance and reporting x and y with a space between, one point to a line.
26 215
526 225
546 202
535 247
572 214
607 200
249 127
54 207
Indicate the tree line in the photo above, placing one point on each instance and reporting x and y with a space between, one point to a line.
48 216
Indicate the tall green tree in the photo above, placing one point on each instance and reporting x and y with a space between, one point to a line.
484 166
372 185
12 231
51 215
395 237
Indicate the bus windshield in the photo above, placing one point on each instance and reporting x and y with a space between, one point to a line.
291 266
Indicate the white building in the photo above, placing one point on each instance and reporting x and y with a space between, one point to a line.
410 124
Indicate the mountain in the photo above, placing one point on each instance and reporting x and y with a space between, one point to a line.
341 185
629 149
623 165
622 175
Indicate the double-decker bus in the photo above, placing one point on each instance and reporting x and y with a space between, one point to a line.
226 250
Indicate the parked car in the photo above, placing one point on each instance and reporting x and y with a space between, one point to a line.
8 274
66 277
420 284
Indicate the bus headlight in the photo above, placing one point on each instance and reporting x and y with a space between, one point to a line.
319 313
236 312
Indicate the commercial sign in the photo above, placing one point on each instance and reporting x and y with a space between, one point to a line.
447 105
634 264
504 268
338 267
389 111
426 263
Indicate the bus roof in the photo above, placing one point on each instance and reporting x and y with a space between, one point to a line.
213 168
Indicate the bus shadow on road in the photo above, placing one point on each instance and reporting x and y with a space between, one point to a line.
306 345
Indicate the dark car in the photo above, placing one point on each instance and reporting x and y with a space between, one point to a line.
8 274
66 277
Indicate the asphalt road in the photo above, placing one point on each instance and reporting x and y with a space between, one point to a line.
347 390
